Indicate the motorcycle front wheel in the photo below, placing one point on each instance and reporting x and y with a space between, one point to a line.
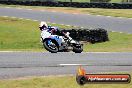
50 46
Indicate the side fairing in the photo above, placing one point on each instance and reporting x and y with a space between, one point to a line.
57 39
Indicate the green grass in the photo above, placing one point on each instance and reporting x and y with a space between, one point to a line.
74 0
20 34
119 42
16 34
112 1
54 82
116 1
109 12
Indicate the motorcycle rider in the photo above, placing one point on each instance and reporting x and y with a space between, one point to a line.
44 26
51 29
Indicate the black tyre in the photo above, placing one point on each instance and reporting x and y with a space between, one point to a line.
53 48
78 49
81 80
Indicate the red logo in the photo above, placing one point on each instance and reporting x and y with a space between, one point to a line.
83 78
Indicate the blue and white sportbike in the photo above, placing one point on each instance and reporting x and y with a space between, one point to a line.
55 43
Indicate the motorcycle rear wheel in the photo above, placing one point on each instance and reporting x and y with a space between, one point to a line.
77 49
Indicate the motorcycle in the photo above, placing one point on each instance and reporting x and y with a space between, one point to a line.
55 43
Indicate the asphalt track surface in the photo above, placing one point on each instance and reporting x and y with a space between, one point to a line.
21 64
82 20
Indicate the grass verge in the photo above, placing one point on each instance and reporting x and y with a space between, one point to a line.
119 42
54 82
94 11
17 34
23 35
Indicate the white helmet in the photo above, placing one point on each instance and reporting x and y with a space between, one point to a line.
42 23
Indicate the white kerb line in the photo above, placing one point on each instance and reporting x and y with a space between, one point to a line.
73 64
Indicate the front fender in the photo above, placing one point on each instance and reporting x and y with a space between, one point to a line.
57 39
